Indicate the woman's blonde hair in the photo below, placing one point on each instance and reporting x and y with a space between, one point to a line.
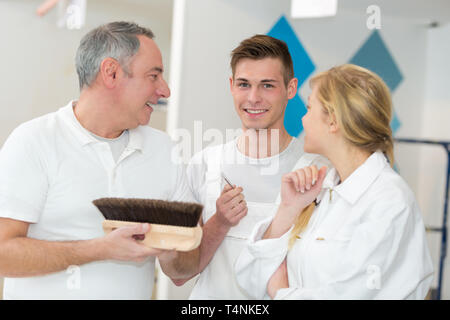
361 103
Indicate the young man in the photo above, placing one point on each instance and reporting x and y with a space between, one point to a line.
261 84
52 167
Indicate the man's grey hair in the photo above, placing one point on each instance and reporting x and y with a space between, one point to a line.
117 40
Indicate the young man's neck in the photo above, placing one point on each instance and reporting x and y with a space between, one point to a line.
263 143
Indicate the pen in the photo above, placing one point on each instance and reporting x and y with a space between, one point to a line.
227 181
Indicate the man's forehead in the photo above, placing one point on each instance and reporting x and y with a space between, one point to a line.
144 39
148 56
267 69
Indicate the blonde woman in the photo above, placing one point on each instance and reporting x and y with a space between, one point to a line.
354 232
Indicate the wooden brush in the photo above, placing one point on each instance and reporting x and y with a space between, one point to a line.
174 225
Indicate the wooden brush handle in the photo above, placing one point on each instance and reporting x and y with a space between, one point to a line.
163 236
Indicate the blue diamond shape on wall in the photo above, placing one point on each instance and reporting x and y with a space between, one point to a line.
303 68
295 110
375 56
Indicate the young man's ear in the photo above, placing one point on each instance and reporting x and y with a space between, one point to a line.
231 83
109 69
292 88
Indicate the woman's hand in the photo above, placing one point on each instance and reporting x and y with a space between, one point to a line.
301 187
293 200
279 280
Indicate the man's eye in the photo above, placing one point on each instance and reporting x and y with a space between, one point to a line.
243 85
154 76
267 86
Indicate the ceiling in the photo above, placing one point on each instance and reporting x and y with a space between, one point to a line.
422 11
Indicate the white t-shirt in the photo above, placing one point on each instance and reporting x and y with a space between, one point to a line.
259 178
51 169
117 145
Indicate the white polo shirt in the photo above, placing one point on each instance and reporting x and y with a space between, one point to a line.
51 169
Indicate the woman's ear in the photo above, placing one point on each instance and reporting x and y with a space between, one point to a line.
332 123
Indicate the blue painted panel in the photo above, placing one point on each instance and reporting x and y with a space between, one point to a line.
375 56
303 68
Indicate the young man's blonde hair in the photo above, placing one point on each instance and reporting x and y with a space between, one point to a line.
262 46
361 103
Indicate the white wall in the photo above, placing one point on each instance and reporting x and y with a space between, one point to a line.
37 58
212 28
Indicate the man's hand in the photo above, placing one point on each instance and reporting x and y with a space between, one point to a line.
122 244
230 209
21 256
231 206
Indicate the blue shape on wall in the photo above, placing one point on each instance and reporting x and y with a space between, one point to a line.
375 56
295 110
303 68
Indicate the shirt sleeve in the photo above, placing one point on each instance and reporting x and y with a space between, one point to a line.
23 177
196 175
387 258
181 190
259 260
196 179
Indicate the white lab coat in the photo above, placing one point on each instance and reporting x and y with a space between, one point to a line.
365 240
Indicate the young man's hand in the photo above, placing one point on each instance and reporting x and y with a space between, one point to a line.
231 206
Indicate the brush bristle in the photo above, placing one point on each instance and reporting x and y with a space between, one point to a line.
183 214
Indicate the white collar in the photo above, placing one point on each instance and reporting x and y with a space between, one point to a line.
83 135
358 182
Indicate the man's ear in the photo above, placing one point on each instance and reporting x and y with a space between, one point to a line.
109 69
292 88
231 83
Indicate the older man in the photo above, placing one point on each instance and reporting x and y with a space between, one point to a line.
51 168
